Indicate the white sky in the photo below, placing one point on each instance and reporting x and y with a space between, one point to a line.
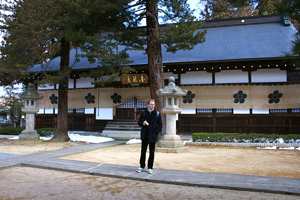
196 5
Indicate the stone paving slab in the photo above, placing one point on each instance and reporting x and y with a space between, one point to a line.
4 156
213 180
6 164
64 165
77 149
49 157
218 180
68 151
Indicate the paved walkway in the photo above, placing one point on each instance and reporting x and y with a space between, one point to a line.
51 160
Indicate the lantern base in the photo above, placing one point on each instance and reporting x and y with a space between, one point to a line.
172 150
171 144
29 135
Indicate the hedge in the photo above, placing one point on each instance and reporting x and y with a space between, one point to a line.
243 137
10 131
17 131
46 131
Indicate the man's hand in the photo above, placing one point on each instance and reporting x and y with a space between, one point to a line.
145 123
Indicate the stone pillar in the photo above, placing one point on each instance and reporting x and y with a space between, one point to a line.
29 133
30 118
30 107
170 142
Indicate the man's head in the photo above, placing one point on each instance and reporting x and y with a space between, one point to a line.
151 105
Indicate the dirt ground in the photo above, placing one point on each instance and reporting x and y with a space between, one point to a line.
23 147
21 183
246 161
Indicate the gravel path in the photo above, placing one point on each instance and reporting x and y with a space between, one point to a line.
21 183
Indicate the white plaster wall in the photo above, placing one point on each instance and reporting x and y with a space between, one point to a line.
231 76
200 77
71 83
269 75
188 111
41 111
168 74
85 82
46 86
104 113
260 111
48 110
241 111
89 111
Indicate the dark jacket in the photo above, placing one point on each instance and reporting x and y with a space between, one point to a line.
151 131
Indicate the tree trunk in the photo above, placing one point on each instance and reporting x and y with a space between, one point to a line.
62 117
153 50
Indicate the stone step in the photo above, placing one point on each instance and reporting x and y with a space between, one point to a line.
123 129
122 122
121 126
121 134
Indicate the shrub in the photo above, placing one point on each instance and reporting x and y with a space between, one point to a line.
242 137
46 131
10 131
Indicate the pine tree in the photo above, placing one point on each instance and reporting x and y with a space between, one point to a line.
221 9
182 33
268 7
290 8
37 31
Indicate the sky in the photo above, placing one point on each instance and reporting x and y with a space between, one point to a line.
194 4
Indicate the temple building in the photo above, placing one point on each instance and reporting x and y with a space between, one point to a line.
243 78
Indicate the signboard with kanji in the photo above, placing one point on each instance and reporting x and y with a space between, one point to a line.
128 79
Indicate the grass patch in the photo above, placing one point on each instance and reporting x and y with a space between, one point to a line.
243 137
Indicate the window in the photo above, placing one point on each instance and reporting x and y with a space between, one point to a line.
295 110
224 110
80 110
278 110
204 110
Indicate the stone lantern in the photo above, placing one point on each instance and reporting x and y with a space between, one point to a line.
30 107
172 96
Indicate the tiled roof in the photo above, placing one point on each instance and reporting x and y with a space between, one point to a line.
248 38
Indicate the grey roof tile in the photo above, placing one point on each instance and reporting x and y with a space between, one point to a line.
247 41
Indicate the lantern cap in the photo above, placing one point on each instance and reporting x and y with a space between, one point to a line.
171 89
30 93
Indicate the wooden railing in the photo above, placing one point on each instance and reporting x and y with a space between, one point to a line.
82 122
272 123
231 123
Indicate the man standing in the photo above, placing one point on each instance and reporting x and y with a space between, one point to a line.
151 124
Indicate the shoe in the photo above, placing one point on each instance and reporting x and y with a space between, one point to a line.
150 171
139 170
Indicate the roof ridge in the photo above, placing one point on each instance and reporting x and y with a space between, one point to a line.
243 21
